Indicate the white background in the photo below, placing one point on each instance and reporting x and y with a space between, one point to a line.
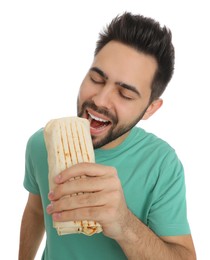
46 47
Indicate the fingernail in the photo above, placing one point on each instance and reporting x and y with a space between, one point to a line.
58 178
50 208
51 195
56 216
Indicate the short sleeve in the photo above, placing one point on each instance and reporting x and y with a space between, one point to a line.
30 182
168 213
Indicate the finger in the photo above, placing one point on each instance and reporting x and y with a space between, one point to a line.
103 214
78 201
85 185
84 169
92 213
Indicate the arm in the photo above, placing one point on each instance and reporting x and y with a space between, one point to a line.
32 228
139 240
104 201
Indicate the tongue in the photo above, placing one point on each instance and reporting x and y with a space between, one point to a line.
97 124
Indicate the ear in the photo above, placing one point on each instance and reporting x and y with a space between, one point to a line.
152 108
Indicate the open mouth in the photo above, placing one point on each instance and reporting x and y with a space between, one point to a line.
97 124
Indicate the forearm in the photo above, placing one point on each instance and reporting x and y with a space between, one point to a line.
31 234
139 242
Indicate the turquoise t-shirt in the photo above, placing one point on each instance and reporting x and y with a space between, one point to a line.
152 178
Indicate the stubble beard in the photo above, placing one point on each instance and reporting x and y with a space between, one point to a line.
115 131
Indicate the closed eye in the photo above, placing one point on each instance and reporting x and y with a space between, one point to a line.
96 77
125 96
96 81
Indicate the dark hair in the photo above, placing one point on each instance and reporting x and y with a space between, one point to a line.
147 36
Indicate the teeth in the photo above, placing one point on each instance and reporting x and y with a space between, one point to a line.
97 118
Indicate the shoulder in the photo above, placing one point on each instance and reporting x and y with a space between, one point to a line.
36 144
37 138
157 149
149 140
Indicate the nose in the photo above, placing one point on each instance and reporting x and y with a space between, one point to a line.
104 97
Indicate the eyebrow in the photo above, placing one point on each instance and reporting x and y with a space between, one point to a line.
121 84
100 72
129 87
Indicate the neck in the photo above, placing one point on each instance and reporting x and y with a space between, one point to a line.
115 142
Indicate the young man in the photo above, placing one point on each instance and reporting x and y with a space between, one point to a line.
136 188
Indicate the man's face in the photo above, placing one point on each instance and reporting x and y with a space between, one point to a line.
115 93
